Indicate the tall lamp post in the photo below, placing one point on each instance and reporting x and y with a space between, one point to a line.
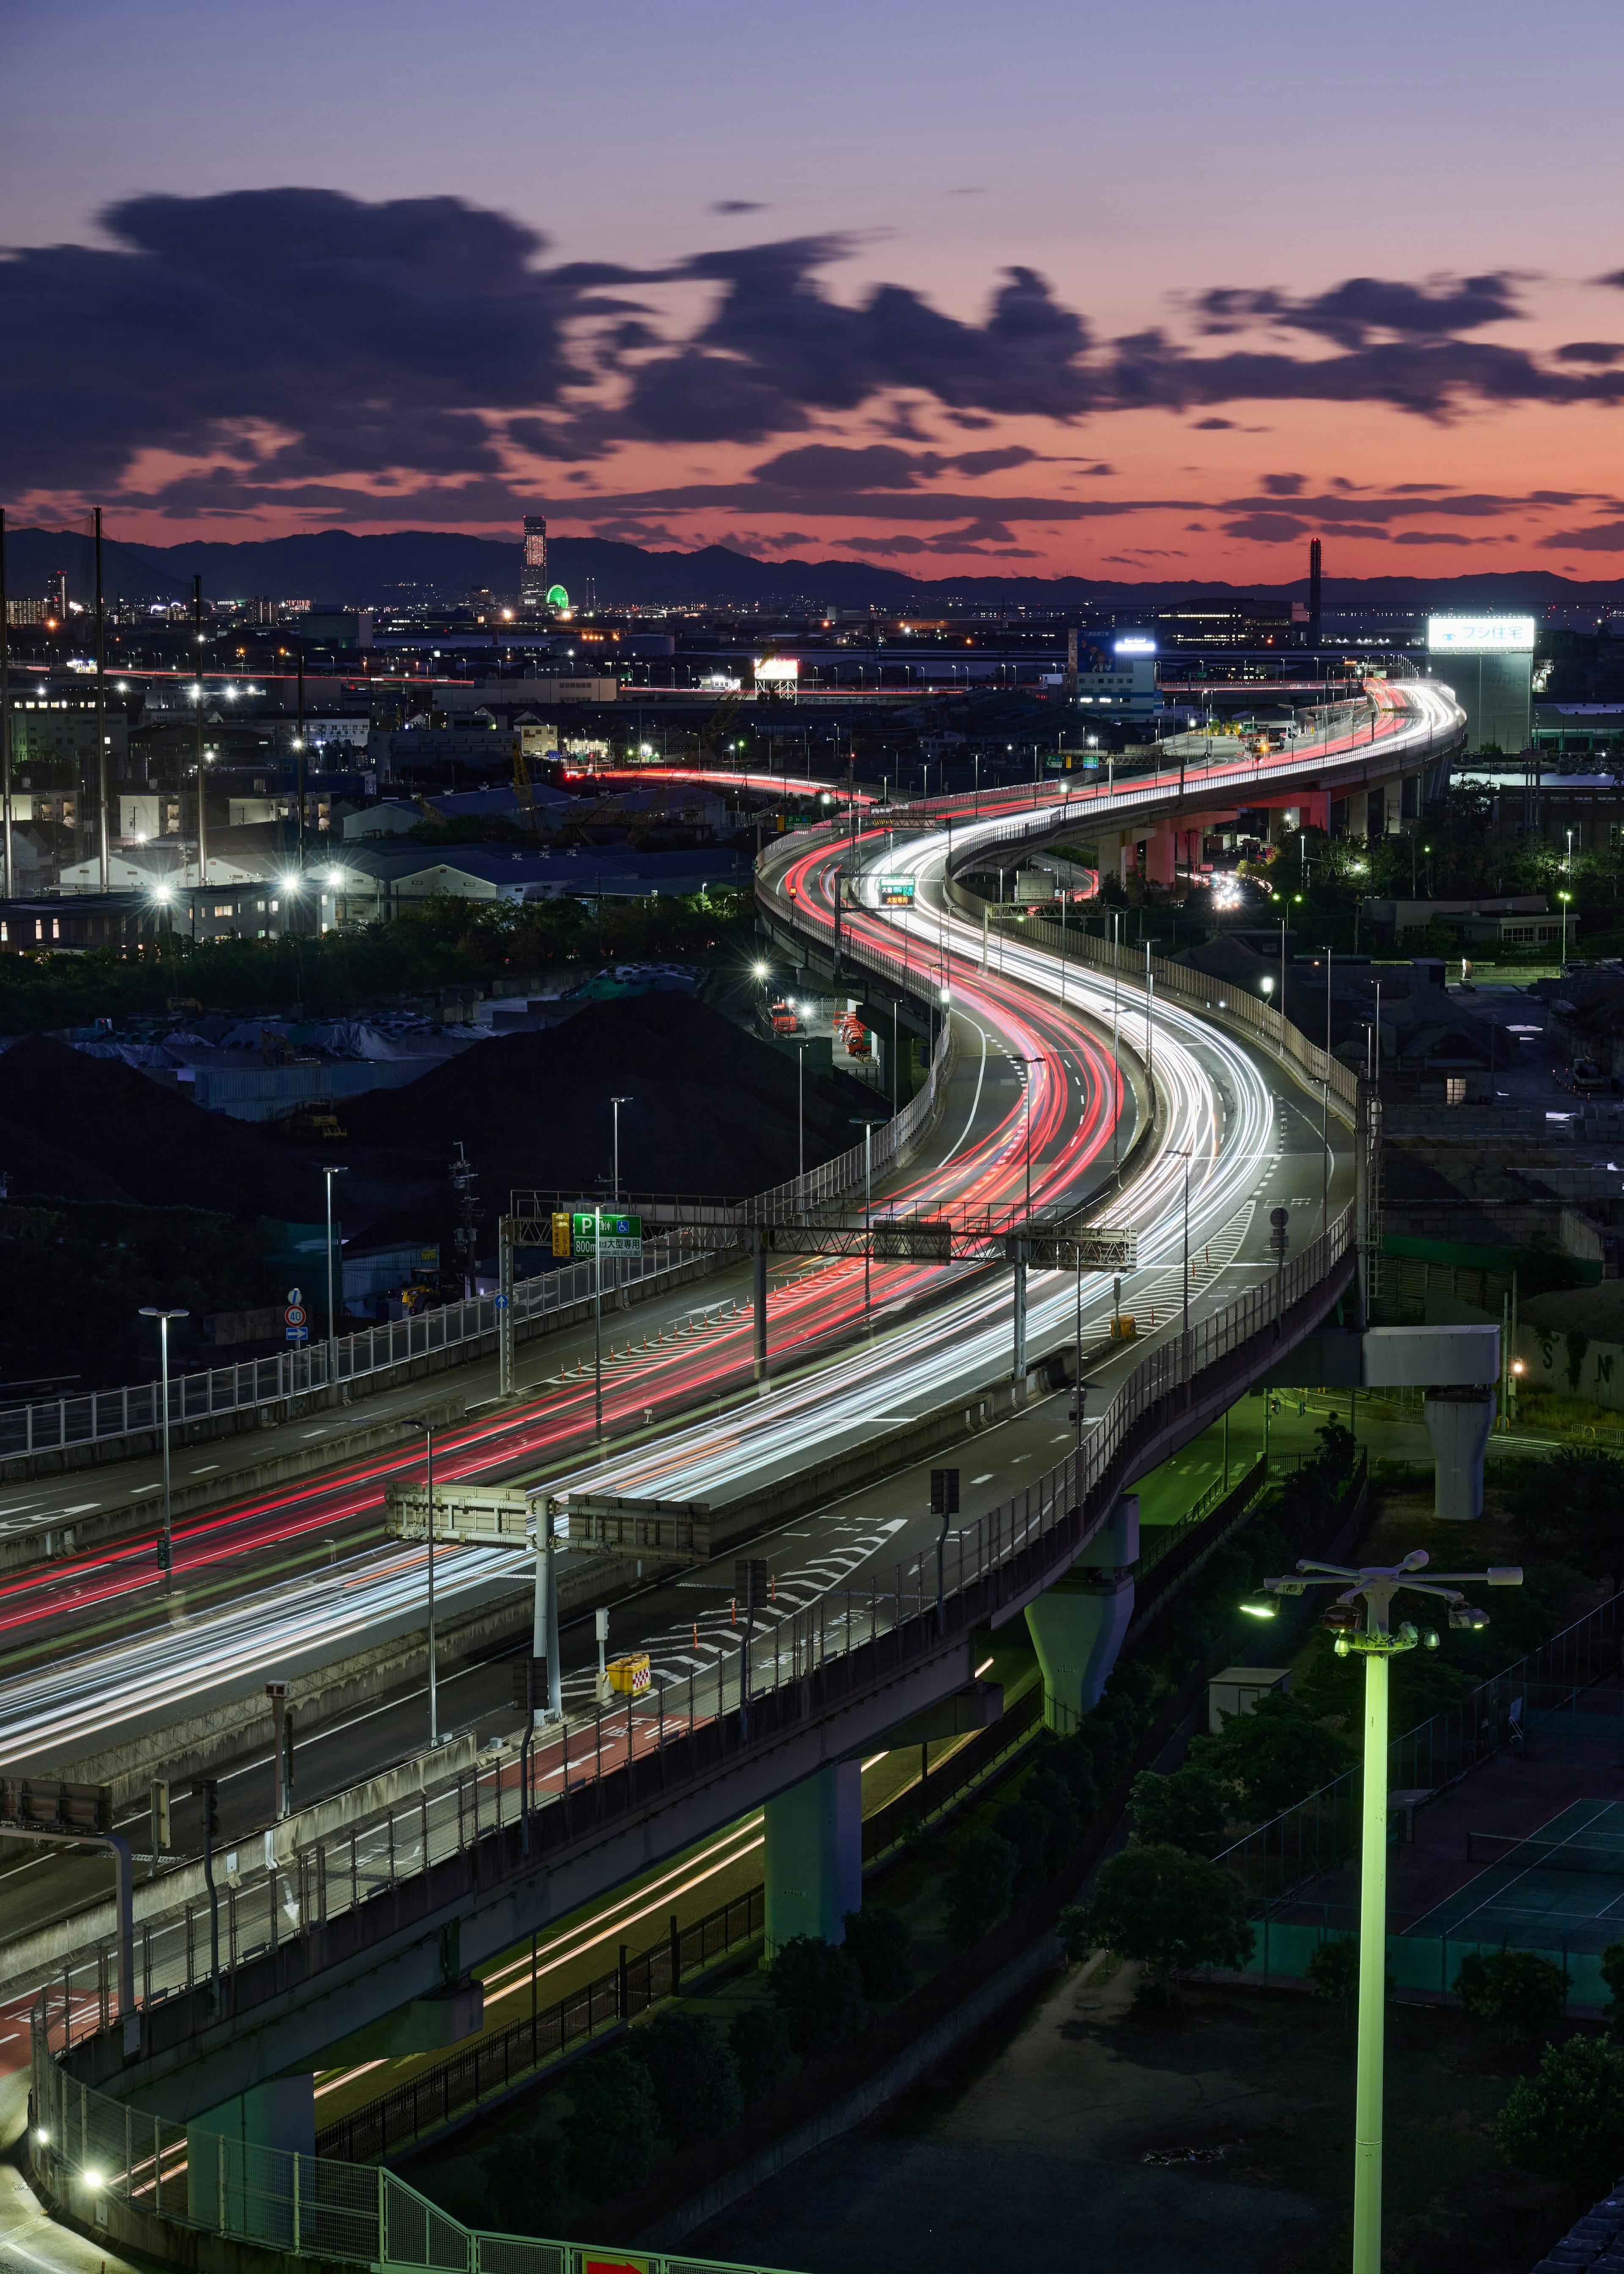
166 1550
330 1172
868 1128
1360 1619
618 1102
416 1421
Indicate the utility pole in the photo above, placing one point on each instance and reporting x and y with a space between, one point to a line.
6 715
165 1546
329 1173
617 1102
107 843
197 621
298 745
415 1421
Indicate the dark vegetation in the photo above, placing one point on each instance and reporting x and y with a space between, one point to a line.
444 943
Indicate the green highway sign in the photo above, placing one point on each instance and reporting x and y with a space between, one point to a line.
606 1233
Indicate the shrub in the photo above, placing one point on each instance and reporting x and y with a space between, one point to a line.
1184 1810
980 1888
819 1989
1572 1499
1613 1975
880 1947
1169 1911
524 2185
694 2076
1566 2121
1514 1990
759 2040
612 2130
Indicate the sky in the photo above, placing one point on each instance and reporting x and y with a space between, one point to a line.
1031 287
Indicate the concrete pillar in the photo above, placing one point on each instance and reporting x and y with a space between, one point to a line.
814 1856
235 2189
1458 1421
1159 855
1077 1625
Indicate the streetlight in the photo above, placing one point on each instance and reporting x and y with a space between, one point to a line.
1372 1586
166 1551
618 1102
416 1421
802 1047
868 1128
329 1173
1564 898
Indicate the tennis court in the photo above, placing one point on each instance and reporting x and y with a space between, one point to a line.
1561 1888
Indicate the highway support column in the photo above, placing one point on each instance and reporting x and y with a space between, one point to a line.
1458 1421
224 2190
814 1856
1078 1625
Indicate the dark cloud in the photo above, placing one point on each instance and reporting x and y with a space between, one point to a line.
737 205
1438 537
1214 425
1353 313
332 357
1285 485
1603 537
1268 528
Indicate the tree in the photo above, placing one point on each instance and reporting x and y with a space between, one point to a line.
819 1989
1334 1969
980 1887
525 2184
1182 1810
1273 1757
1042 1824
1566 2121
1613 1975
1171 1911
880 1947
758 2039
1514 1990
694 2076
1072 1759
1572 1499
612 2133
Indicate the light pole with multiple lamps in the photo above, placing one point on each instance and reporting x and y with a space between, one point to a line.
1360 1619
166 1550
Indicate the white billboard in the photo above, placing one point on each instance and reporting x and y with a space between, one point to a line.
777 667
1481 635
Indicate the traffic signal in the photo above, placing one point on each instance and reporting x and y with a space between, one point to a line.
945 1492
210 1791
750 1582
161 1834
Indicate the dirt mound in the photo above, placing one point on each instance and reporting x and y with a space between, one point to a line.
82 1128
711 1107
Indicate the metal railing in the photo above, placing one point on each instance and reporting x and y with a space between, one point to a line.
812 1649
96 2157
100 1416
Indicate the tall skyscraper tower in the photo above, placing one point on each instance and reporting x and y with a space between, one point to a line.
533 572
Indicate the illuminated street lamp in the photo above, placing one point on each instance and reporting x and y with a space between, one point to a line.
1359 1618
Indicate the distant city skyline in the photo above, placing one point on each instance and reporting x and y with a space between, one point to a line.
1031 292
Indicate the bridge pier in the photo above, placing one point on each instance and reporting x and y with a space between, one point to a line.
814 1856
223 2190
1077 1625
1458 1421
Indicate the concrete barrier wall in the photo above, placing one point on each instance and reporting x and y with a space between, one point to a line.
28 1958
196 1746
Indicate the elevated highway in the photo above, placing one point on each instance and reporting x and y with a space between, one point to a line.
1229 1131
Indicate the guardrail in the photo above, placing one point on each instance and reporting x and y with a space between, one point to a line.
806 1658
103 1416
136 2175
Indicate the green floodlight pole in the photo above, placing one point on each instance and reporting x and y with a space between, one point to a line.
1373 1586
